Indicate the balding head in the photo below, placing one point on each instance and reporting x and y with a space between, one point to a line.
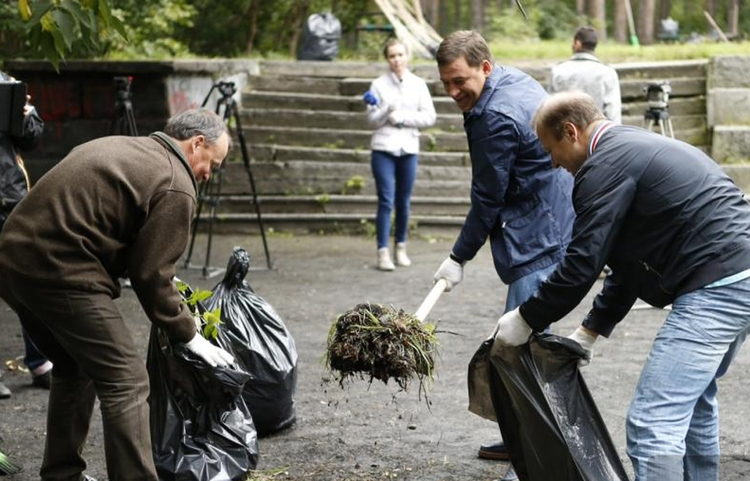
575 107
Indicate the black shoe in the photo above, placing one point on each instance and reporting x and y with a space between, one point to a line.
4 391
494 451
43 380
510 475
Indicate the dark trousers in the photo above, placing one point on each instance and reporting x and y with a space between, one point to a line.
84 335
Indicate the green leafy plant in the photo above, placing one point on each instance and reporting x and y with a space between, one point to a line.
354 185
210 320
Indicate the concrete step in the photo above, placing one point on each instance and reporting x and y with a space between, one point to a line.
678 106
291 118
304 177
339 204
632 89
679 122
348 139
322 102
265 152
247 223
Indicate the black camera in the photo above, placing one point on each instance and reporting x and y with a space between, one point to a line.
657 94
12 101
227 89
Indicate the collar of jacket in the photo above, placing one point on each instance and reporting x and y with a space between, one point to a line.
167 141
394 78
490 84
585 56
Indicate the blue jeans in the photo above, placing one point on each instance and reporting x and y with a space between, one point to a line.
394 180
673 423
521 289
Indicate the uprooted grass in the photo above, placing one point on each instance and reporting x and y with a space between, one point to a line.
377 342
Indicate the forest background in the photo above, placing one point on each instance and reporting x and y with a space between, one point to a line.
161 29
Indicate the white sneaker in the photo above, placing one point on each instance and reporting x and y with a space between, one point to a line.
384 260
401 258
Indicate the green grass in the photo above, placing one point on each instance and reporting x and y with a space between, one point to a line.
614 52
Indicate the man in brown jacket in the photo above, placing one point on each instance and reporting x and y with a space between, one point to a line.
113 205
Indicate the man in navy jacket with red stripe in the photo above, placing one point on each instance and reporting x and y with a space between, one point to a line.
675 230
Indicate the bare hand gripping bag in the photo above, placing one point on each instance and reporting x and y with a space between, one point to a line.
547 416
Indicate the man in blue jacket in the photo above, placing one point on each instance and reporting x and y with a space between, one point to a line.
518 200
675 230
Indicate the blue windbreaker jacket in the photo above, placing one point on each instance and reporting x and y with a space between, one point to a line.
517 198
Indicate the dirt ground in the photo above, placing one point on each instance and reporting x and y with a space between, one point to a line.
374 431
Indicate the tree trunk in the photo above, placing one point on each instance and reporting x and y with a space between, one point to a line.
597 14
431 10
580 8
457 15
646 22
711 7
733 18
666 9
477 15
621 22
254 7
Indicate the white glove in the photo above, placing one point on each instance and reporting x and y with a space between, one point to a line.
213 355
451 271
396 118
512 330
584 337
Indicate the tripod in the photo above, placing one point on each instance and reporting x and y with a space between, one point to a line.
210 191
124 121
658 117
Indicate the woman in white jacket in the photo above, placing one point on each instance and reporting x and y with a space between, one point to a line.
399 103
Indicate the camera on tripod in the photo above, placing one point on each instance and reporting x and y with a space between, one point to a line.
227 89
657 95
122 86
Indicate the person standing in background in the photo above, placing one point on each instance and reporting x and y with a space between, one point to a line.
398 105
584 72
14 185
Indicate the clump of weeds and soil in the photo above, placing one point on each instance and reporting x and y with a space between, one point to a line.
373 341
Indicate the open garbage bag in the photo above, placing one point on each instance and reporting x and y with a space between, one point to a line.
262 345
201 428
548 419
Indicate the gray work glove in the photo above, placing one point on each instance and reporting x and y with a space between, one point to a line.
586 339
451 271
512 330
213 355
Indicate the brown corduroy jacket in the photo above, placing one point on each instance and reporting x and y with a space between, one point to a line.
113 205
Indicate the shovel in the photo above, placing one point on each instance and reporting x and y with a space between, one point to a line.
431 299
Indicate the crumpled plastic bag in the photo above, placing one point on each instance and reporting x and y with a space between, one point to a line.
262 346
201 428
548 419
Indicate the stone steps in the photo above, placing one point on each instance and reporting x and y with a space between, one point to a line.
306 126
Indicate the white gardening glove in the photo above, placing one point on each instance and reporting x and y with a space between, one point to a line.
213 355
512 330
451 271
586 338
396 118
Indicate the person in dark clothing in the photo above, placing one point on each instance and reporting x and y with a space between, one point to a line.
14 184
518 200
113 205
675 230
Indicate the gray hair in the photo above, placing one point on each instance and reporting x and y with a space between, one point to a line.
464 43
194 122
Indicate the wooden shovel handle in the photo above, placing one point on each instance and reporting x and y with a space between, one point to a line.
431 299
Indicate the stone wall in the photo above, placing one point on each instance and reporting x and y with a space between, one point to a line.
78 103
728 107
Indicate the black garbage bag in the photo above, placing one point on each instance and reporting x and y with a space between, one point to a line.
320 37
201 428
263 347
546 414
